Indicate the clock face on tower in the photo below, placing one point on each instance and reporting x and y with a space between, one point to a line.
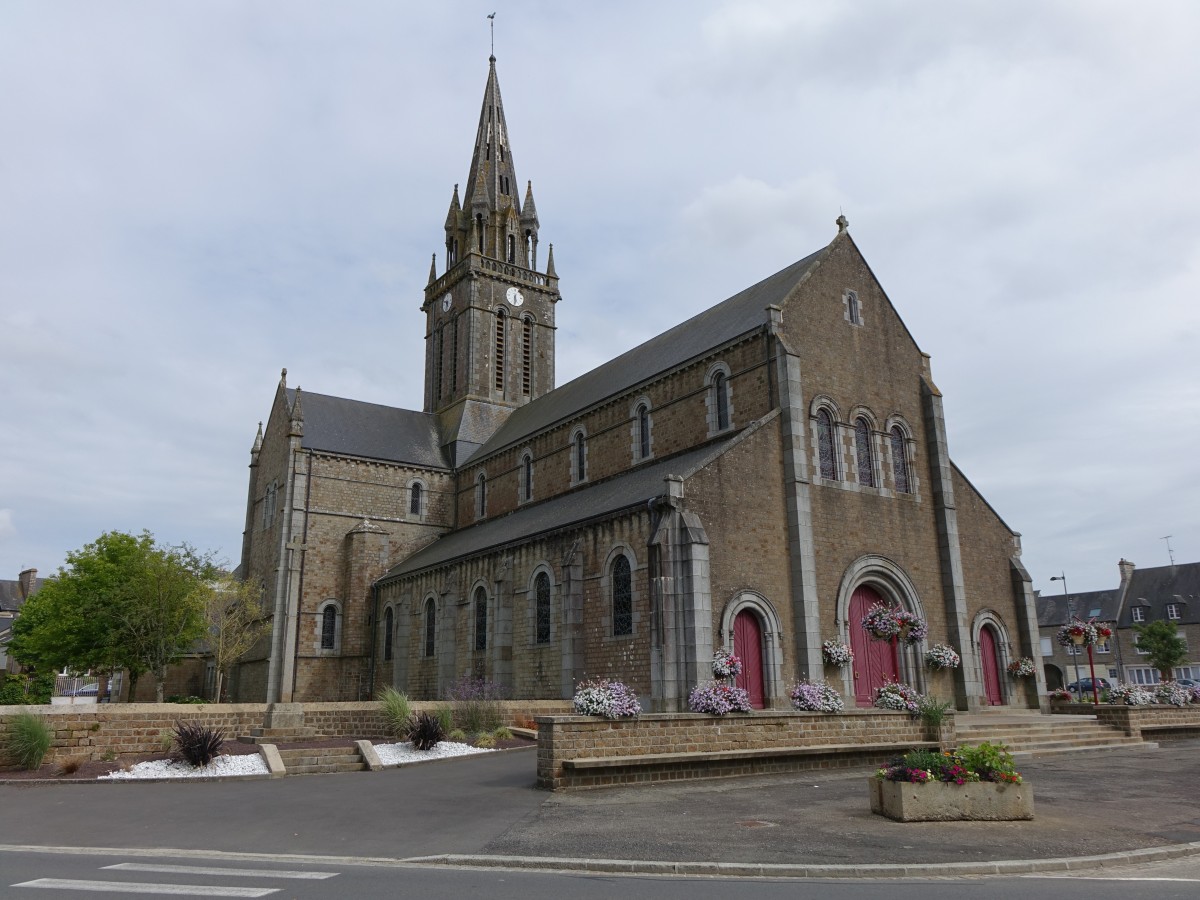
515 297
447 301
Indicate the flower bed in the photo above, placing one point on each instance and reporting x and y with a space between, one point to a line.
970 783
717 699
816 696
610 699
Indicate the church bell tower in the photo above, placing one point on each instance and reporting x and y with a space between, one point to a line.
489 335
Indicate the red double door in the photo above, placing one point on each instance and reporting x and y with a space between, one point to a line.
874 661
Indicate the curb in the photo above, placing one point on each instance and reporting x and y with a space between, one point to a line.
768 870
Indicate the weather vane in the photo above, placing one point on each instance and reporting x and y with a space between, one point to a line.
492 27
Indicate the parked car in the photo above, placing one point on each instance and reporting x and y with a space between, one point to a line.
1187 682
1084 685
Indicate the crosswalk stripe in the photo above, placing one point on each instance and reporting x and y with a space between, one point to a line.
134 887
217 870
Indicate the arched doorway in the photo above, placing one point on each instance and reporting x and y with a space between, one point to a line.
1054 676
874 661
747 644
989 660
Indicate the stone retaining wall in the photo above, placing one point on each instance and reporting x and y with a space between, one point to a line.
563 738
115 729
1132 720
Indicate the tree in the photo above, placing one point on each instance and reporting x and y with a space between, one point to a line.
121 602
235 617
1161 642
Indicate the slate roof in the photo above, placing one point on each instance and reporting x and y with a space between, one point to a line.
369 430
1052 608
1161 585
625 491
742 313
10 593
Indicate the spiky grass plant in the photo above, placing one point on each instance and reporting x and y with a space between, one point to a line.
397 712
29 737
425 731
445 714
456 734
503 733
485 741
198 744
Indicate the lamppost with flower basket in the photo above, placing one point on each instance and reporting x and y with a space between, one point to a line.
1078 633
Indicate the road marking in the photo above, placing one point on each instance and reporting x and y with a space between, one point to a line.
134 887
216 870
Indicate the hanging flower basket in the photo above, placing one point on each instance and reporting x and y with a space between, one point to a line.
942 656
725 664
1022 668
886 622
1078 634
835 653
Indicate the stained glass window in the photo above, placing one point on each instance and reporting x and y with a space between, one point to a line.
622 597
643 428
414 499
329 628
580 456
721 396
541 590
900 459
430 625
825 444
862 444
480 619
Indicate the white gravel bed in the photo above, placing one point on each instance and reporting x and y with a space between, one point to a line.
241 764
398 754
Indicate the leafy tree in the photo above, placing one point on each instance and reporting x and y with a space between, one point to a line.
234 614
1163 645
121 602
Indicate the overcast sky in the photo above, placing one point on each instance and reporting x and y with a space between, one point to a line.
194 195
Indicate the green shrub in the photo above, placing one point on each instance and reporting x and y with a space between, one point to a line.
476 704
993 762
456 734
29 737
485 741
198 744
932 710
503 733
397 712
20 690
445 715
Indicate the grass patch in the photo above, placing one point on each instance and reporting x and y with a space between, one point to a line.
29 738
397 712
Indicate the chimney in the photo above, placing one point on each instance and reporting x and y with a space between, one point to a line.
1126 568
27 582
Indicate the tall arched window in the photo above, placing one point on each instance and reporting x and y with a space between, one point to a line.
430 626
720 388
414 499
526 476
481 617
579 457
387 634
479 230
825 444
480 495
329 628
900 459
641 426
438 348
526 355
512 248
541 591
862 446
501 321
622 597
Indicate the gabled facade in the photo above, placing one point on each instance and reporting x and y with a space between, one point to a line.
756 477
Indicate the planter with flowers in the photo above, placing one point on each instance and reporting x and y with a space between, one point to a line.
717 698
970 783
725 664
816 696
900 697
942 656
835 653
1060 695
1022 668
610 699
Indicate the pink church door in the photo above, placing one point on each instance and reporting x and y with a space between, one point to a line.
874 661
747 645
991 666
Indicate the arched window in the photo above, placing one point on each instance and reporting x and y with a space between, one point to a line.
641 430
622 596
526 355
438 349
329 616
720 388
512 248
862 446
501 321
900 459
481 616
541 591
387 634
526 476
480 495
825 445
430 626
852 308
579 457
414 499
479 230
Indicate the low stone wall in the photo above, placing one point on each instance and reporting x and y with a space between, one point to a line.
115 729
1145 722
671 746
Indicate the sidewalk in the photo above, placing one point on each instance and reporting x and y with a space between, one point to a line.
1085 804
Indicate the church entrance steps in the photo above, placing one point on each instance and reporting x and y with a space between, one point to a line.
322 760
1030 734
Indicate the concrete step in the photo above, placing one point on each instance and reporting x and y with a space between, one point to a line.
280 735
326 768
321 760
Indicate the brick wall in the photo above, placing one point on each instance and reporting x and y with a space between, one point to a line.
1143 722
563 738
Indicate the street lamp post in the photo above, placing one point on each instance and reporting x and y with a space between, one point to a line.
1070 615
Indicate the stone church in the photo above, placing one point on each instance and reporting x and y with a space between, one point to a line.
754 478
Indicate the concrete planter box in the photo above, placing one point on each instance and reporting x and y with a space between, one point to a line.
937 801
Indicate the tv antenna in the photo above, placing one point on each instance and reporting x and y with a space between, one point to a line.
1170 554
